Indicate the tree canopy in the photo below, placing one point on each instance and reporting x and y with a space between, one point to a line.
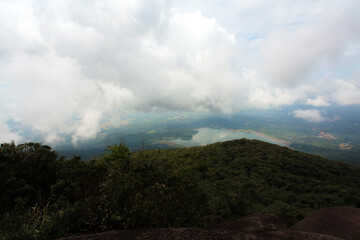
44 196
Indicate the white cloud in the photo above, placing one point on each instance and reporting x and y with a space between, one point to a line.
97 60
266 98
68 66
54 97
290 56
347 93
8 135
309 115
313 115
317 102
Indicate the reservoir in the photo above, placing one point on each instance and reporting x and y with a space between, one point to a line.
210 135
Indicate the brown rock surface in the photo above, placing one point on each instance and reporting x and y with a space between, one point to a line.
341 222
255 223
338 223
293 235
164 234
201 234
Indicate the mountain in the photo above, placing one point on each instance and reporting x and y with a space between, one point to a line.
47 197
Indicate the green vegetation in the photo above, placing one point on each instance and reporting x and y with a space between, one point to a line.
47 197
351 157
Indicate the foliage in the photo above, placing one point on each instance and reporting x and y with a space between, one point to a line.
46 197
114 192
241 177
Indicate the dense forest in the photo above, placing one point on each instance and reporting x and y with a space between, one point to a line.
44 196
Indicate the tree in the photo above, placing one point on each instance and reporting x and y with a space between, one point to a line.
27 172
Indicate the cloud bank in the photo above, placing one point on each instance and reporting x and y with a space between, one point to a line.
291 55
310 115
65 67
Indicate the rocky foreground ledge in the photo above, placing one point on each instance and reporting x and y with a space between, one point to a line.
337 223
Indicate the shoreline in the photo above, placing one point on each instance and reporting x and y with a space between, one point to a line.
287 144
271 138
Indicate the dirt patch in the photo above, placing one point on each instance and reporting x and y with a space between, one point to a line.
345 146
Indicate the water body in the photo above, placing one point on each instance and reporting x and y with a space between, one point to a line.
211 135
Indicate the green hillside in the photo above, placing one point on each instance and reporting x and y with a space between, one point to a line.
248 176
46 197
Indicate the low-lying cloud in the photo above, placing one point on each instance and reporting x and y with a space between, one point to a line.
317 102
312 115
347 93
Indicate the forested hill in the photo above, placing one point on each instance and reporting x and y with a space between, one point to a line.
47 197
247 176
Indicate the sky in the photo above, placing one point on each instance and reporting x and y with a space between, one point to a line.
67 66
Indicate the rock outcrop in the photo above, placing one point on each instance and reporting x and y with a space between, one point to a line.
341 222
338 223
255 223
